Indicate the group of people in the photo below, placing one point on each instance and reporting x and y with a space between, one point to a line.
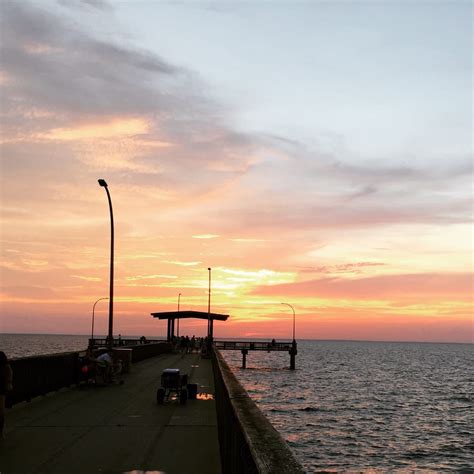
188 345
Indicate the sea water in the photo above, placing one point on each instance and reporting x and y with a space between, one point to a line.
368 406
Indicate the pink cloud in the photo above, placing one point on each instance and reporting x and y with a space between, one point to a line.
433 285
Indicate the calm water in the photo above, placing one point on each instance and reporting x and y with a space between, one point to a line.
369 406
350 406
23 345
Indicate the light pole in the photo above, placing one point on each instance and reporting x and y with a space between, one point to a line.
209 307
179 298
294 350
111 292
294 316
93 313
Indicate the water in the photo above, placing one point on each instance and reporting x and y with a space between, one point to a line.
23 345
368 406
349 406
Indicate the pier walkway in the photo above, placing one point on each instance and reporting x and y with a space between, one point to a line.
117 428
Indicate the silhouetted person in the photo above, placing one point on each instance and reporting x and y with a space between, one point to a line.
6 385
105 364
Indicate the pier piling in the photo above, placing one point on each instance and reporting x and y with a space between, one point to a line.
244 358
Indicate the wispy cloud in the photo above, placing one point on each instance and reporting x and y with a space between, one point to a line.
205 236
432 286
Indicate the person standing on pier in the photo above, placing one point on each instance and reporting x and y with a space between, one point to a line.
6 385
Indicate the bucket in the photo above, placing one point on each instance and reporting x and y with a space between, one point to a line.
125 356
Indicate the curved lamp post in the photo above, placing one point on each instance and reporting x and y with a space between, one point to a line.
294 317
93 313
179 299
103 184
293 350
209 308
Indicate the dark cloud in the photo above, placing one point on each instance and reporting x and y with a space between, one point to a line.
53 65
59 76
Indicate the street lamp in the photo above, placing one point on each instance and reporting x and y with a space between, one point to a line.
179 298
103 184
209 307
293 309
93 312
294 350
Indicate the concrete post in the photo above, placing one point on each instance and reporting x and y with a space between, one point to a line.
244 358
293 351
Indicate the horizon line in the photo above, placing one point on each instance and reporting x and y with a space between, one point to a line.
237 338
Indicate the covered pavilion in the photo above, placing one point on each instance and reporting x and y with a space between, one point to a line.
172 316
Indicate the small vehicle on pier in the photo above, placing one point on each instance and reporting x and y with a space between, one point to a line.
172 382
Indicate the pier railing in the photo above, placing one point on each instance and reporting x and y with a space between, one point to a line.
103 342
252 346
38 375
248 442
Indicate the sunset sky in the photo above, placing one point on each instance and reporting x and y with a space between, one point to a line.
313 153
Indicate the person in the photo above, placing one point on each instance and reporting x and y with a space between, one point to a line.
105 365
88 364
6 385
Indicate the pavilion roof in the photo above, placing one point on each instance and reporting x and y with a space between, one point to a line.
190 314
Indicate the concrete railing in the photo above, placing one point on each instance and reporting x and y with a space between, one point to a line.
39 375
145 351
248 441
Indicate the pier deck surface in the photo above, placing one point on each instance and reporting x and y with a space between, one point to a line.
117 428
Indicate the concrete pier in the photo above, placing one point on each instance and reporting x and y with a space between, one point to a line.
117 428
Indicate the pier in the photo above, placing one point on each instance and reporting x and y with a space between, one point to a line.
245 346
173 318
120 428
117 428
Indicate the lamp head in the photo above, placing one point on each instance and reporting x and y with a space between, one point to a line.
102 183
209 269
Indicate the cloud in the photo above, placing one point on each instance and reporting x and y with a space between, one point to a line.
102 5
205 236
76 105
342 268
425 285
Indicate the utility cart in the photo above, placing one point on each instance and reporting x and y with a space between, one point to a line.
172 382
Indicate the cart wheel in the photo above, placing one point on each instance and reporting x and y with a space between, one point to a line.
183 396
160 396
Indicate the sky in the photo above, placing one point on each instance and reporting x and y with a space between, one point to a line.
312 153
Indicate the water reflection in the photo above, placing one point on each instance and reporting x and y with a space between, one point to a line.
371 407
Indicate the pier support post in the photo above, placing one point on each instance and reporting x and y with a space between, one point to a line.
244 358
293 351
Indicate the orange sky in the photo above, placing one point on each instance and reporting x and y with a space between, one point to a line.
362 249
